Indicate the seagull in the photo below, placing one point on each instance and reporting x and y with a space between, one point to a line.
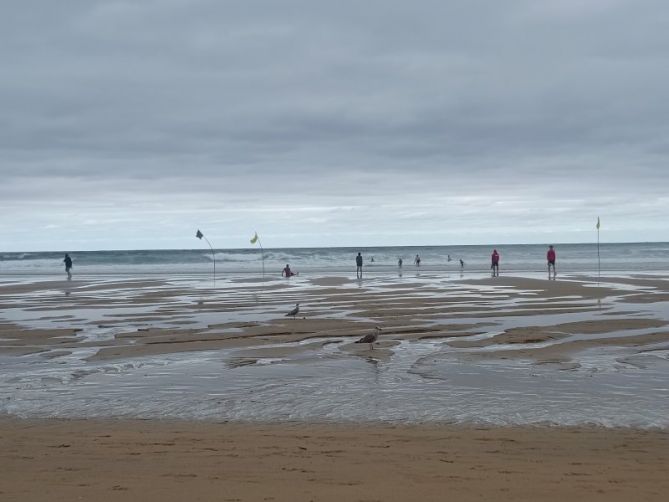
371 338
294 312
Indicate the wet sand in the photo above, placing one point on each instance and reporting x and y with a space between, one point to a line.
161 317
130 460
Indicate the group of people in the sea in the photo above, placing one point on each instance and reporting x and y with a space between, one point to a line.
494 263
287 272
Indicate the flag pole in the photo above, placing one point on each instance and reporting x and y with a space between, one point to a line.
255 239
201 236
262 256
599 263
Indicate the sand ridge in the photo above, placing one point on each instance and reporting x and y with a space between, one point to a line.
161 317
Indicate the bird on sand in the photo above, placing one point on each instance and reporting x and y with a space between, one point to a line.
371 338
293 313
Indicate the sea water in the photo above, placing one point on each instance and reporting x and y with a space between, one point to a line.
422 381
571 258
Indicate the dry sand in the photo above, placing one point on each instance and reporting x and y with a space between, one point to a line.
177 461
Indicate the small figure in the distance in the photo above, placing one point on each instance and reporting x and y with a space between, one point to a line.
462 264
358 266
416 260
287 272
372 260
68 266
550 258
399 262
449 258
494 263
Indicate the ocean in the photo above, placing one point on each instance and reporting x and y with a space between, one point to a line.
571 258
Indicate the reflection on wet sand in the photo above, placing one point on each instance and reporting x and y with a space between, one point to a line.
450 348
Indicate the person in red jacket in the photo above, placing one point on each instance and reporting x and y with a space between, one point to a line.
494 263
550 258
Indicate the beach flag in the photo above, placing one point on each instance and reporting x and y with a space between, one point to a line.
200 236
255 239
597 222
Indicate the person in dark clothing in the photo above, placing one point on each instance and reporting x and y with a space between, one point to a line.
358 266
287 272
68 266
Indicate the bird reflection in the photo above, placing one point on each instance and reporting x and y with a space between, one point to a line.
375 366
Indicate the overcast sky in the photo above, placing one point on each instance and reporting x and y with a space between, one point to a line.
131 124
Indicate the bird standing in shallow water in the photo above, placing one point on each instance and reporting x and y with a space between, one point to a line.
371 338
293 313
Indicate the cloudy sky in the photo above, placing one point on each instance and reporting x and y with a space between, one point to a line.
130 124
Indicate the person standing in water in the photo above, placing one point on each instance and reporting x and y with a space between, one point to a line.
68 266
416 260
550 258
494 263
399 263
462 264
358 266
287 272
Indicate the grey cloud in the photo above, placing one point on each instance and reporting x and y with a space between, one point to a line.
205 105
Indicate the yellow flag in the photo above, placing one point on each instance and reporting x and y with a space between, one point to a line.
254 239
597 222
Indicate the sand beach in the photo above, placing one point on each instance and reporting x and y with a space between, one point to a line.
512 388
170 461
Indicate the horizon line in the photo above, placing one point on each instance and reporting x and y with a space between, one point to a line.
594 243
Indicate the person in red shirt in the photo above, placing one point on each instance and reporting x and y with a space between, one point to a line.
550 258
495 263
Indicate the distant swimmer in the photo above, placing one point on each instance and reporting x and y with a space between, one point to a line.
494 263
372 260
68 266
449 258
462 263
399 263
416 260
550 258
287 272
358 266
